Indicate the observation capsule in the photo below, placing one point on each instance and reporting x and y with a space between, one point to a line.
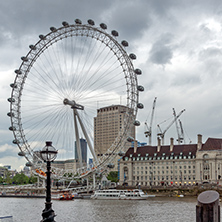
10 114
13 85
42 37
32 47
91 22
53 29
103 26
130 139
25 59
125 43
138 71
11 100
28 164
110 165
140 106
21 153
65 24
121 153
15 141
140 88
78 21
115 33
132 56
136 123
17 71
12 128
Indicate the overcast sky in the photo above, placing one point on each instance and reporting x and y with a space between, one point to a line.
178 46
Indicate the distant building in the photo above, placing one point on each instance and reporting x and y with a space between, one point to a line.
26 170
83 145
8 167
186 164
3 171
107 125
70 164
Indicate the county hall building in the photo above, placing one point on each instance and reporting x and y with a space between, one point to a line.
172 164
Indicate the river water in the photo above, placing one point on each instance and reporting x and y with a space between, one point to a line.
155 209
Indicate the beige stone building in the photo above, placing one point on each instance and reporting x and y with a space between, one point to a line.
70 164
107 124
186 164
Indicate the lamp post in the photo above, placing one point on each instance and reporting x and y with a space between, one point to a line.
48 154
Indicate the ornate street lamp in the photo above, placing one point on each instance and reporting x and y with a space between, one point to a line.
48 154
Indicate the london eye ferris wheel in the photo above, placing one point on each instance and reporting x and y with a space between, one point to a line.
62 81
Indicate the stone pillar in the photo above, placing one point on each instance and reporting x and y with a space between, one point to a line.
130 174
208 208
199 141
171 144
158 144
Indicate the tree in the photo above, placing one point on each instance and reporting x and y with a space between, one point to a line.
33 179
20 178
7 178
113 176
1 180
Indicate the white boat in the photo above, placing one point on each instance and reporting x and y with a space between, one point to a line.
113 194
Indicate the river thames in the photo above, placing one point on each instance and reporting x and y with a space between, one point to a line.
156 209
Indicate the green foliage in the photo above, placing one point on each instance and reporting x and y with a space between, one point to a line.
20 178
1 180
33 179
113 176
7 179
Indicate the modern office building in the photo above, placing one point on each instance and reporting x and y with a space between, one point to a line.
107 125
185 164
83 145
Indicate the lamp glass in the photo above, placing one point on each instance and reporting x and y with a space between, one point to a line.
48 153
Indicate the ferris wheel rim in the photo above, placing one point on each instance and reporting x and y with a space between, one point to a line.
42 45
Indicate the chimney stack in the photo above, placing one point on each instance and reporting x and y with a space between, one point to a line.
135 146
199 141
159 144
171 144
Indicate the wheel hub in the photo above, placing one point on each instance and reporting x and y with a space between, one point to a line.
73 104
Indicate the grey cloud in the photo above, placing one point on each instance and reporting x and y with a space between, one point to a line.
162 52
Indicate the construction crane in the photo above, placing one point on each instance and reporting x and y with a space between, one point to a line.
148 133
162 133
182 132
179 128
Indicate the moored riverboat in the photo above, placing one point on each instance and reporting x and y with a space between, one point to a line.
62 196
113 194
